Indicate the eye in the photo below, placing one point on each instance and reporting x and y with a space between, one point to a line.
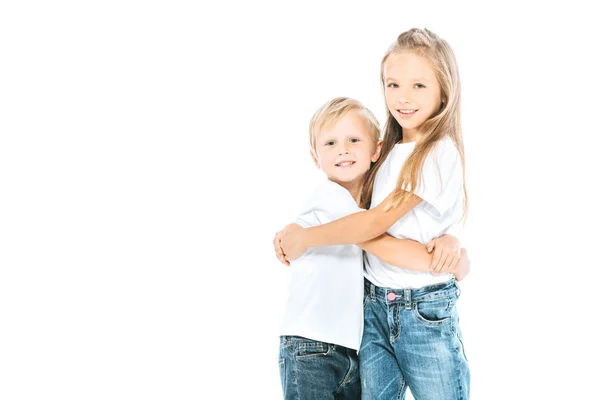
330 143
354 140
392 85
419 86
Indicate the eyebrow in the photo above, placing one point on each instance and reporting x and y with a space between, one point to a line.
414 80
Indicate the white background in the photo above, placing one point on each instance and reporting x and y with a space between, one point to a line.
150 150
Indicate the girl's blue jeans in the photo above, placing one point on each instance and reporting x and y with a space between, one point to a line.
411 339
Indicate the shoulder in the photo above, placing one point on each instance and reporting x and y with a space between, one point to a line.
444 151
329 196
446 145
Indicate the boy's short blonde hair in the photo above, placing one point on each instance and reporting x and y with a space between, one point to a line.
331 112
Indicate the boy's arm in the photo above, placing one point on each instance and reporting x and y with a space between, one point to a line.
402 253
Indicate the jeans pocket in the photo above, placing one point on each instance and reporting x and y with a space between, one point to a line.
311 348
434 312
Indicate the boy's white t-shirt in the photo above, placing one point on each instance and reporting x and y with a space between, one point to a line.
441 189
325 300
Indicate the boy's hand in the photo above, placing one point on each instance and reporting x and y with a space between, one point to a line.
446 253
279 250
291 242
463 267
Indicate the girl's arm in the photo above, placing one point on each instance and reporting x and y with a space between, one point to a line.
402 253
352 229
412 255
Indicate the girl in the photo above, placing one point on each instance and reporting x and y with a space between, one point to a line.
411 334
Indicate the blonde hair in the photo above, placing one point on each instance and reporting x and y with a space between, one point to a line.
331 112
445 122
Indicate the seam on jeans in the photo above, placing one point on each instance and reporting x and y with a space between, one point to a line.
349 374
425 321
294 371
282 373
330 349
400 298
396 322
401 388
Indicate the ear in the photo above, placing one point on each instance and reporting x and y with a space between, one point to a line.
377 151
315 158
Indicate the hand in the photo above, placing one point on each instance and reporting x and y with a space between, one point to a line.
279 250
291 242
446 253
463 267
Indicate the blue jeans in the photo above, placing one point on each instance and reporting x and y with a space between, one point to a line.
411 338
312 370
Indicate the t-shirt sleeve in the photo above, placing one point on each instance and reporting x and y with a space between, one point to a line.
441 178
328 203
457 230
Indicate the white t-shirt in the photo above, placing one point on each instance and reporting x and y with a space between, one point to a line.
326 287
441 189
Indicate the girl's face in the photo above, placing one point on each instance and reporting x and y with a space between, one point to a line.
412 91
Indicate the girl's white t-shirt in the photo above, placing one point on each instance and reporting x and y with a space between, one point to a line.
326 288
441 189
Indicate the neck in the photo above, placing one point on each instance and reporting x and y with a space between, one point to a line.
409 135
354 187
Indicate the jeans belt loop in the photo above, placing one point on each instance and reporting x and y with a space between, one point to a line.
373 294
407 299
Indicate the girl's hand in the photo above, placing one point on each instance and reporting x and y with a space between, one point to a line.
463 267
291 242
446 253
279 250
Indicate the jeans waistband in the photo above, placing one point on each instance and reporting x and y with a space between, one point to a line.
427 293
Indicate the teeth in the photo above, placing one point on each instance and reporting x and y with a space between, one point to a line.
346 163
406 111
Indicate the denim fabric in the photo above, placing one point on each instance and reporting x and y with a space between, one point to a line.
412 339
312 370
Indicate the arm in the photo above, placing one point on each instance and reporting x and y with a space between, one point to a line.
352 229
412 255
402 253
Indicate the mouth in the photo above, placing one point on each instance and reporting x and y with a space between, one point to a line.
345 164
406 113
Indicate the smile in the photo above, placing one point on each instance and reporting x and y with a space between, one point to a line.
405 114
345 164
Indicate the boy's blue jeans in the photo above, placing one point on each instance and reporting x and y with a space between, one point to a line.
312 370
411 338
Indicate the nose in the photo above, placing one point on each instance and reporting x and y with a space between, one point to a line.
343 149
403 97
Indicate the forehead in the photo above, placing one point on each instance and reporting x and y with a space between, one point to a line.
407 65
351 123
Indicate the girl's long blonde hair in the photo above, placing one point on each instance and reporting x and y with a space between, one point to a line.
446 122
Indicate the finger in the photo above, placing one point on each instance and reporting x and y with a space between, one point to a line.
280 248
430 246
452 264
436 259
452 260
442 262
281 258
277 245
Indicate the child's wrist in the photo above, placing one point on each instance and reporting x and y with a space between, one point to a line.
305 239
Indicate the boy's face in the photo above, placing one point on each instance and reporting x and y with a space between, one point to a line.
345 150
